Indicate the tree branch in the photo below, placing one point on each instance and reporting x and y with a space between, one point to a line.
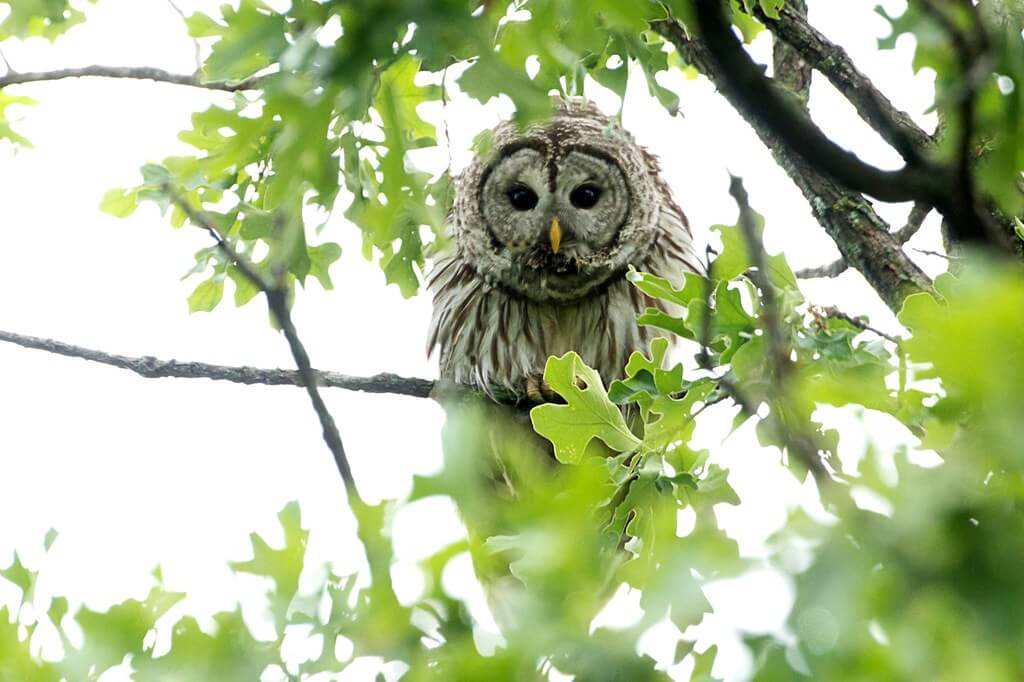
922 181
155 368
831 60
862 237
277 301
837 267
794 126
798 441
837 314
130 72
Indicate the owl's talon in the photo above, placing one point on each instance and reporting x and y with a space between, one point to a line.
534 390
539 391
549 393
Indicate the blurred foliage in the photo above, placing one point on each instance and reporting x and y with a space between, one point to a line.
38 18
930 588
992 61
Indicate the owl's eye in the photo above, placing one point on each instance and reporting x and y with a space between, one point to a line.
585 196
522 197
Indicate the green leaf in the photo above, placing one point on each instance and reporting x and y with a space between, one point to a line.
251 38
320 260
39 18
588 414
120 203
245 288
6 131
20 576
282 566
207 295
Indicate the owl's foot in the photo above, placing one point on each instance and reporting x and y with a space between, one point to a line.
538 390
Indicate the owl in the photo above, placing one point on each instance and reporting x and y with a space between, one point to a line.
543 230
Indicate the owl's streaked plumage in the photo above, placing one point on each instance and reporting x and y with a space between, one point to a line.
544 229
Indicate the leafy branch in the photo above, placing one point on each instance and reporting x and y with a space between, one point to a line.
277 300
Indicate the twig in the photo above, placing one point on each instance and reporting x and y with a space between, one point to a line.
155 368
929 252
3 58
829 270
837 267
277 301
195 43
778 353
130 72
444 116
837 314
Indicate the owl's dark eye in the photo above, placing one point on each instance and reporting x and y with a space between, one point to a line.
522 197
585 196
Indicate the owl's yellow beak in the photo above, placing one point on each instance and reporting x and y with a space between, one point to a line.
555 234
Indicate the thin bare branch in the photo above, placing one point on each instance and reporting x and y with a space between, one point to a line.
155 368
277 301
778 353
195 43
859 323
129 72
3 58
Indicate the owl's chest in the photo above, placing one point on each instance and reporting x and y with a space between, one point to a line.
504 340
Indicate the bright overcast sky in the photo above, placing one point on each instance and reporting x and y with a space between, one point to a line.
133 472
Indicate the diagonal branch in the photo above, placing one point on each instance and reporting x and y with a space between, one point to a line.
155 368
922 181
862 237
129 72
800 443
277 301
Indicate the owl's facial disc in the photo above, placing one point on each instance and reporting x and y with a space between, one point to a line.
554 223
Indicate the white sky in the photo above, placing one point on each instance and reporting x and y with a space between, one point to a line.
135 472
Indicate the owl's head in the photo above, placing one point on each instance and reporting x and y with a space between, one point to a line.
554 211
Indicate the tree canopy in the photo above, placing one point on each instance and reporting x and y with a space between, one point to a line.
914 568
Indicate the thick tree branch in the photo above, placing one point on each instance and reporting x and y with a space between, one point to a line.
831 60
922 181
862 237
155 368
792 125
129 72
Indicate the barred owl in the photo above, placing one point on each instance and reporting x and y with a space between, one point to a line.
544 229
